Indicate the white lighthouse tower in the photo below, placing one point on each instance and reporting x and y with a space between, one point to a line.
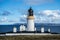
30 20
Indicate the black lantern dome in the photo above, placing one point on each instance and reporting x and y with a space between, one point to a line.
30 12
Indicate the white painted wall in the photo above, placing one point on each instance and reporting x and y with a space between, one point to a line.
49 30
35 28
14 29
30 25
42 30
22 28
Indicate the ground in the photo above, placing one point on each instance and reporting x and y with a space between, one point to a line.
31 37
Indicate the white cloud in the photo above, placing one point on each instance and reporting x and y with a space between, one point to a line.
47 12
50 16
50 13
4 19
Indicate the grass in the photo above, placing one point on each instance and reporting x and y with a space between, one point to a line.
31 37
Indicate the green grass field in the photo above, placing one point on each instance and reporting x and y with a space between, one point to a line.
31 37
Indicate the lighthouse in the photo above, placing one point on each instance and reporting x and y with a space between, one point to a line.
30 20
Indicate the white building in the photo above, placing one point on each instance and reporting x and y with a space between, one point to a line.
14 29
42 29
30 21
35 28
49 30
22 28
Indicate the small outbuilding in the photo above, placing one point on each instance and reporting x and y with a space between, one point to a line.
42 29
22 28
14 29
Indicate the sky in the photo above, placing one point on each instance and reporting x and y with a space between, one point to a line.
15 11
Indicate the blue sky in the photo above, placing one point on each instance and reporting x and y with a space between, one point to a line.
15 11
